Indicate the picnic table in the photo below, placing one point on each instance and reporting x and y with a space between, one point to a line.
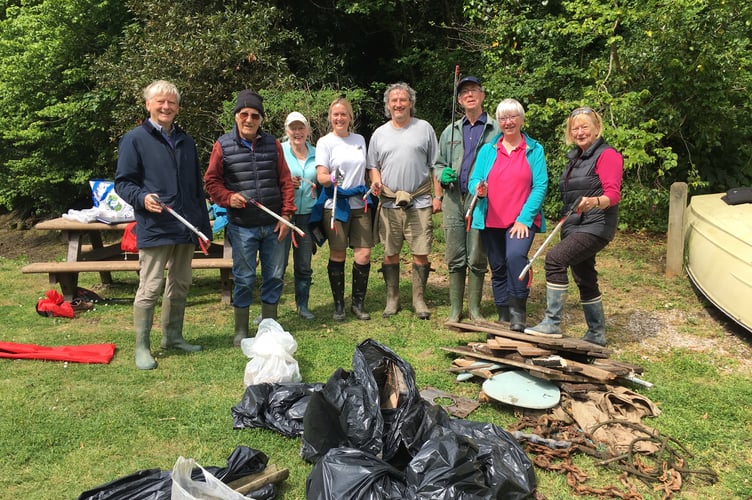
95 256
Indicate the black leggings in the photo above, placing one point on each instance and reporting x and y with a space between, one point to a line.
577 251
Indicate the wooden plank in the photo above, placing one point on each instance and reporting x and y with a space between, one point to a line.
113 265
253 482
541 371
560 344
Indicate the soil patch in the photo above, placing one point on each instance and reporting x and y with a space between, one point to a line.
18 240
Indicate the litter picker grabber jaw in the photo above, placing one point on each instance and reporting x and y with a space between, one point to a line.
528 269
203 241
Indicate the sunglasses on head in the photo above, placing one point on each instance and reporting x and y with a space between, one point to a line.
244 115
581 111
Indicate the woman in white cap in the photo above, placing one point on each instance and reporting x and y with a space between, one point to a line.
301 159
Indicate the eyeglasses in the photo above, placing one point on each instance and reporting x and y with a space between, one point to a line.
471 90
244 115
510 118
581 111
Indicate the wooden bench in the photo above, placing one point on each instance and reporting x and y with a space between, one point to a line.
66 273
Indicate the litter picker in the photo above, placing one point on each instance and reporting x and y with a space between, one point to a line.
203 241
454 105
365 197
312 184
334 202
469 213
278 217
555 230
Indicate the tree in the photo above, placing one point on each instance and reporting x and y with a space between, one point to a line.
53 120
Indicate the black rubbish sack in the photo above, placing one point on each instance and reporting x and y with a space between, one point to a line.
344 414
376 408
402 406
279 407
509 473
156 484
447 467
347 473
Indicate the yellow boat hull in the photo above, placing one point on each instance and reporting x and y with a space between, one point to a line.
718 254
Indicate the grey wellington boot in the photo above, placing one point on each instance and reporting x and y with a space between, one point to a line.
556 296
142 322
456 295
596 322
302 291
173 313
474 295
391 278
359 287
420 278
517 314
241 325
336 272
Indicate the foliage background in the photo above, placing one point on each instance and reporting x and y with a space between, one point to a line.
671 79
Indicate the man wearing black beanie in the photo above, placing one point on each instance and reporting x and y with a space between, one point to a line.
248 164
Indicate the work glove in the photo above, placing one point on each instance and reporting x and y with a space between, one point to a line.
448 176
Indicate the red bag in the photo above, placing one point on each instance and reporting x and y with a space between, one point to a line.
129 244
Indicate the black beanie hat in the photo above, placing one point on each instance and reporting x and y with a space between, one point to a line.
250 99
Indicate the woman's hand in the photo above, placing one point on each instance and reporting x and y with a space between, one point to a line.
519 231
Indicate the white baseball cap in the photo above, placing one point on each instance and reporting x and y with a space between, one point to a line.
295 117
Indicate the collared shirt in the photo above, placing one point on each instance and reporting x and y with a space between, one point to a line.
169 136
471 134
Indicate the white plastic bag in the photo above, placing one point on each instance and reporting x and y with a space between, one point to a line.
271 352
111 207
185 488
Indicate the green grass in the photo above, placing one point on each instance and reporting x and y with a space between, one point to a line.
66 428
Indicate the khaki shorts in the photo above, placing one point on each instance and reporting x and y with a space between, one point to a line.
414 225
355 233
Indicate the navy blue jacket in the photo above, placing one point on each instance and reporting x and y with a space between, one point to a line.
148 164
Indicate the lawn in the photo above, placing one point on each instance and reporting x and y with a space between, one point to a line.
67 427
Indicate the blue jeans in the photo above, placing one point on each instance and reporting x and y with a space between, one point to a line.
507 257
249 245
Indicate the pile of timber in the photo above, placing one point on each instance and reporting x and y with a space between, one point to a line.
567 360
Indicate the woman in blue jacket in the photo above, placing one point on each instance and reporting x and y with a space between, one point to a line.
301 159
510 178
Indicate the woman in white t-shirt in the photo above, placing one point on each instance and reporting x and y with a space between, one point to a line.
341 164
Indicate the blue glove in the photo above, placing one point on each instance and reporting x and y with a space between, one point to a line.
448 176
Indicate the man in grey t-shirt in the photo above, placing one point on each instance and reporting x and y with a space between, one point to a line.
402 152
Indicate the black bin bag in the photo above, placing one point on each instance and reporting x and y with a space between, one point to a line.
278 407
347 473
376 408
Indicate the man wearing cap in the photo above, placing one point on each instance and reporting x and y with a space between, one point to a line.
247 165
458 146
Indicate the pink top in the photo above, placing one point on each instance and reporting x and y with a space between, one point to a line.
510 182
609 168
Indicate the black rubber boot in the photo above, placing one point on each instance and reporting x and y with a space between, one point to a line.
503 312
359 286
517 314
337 283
